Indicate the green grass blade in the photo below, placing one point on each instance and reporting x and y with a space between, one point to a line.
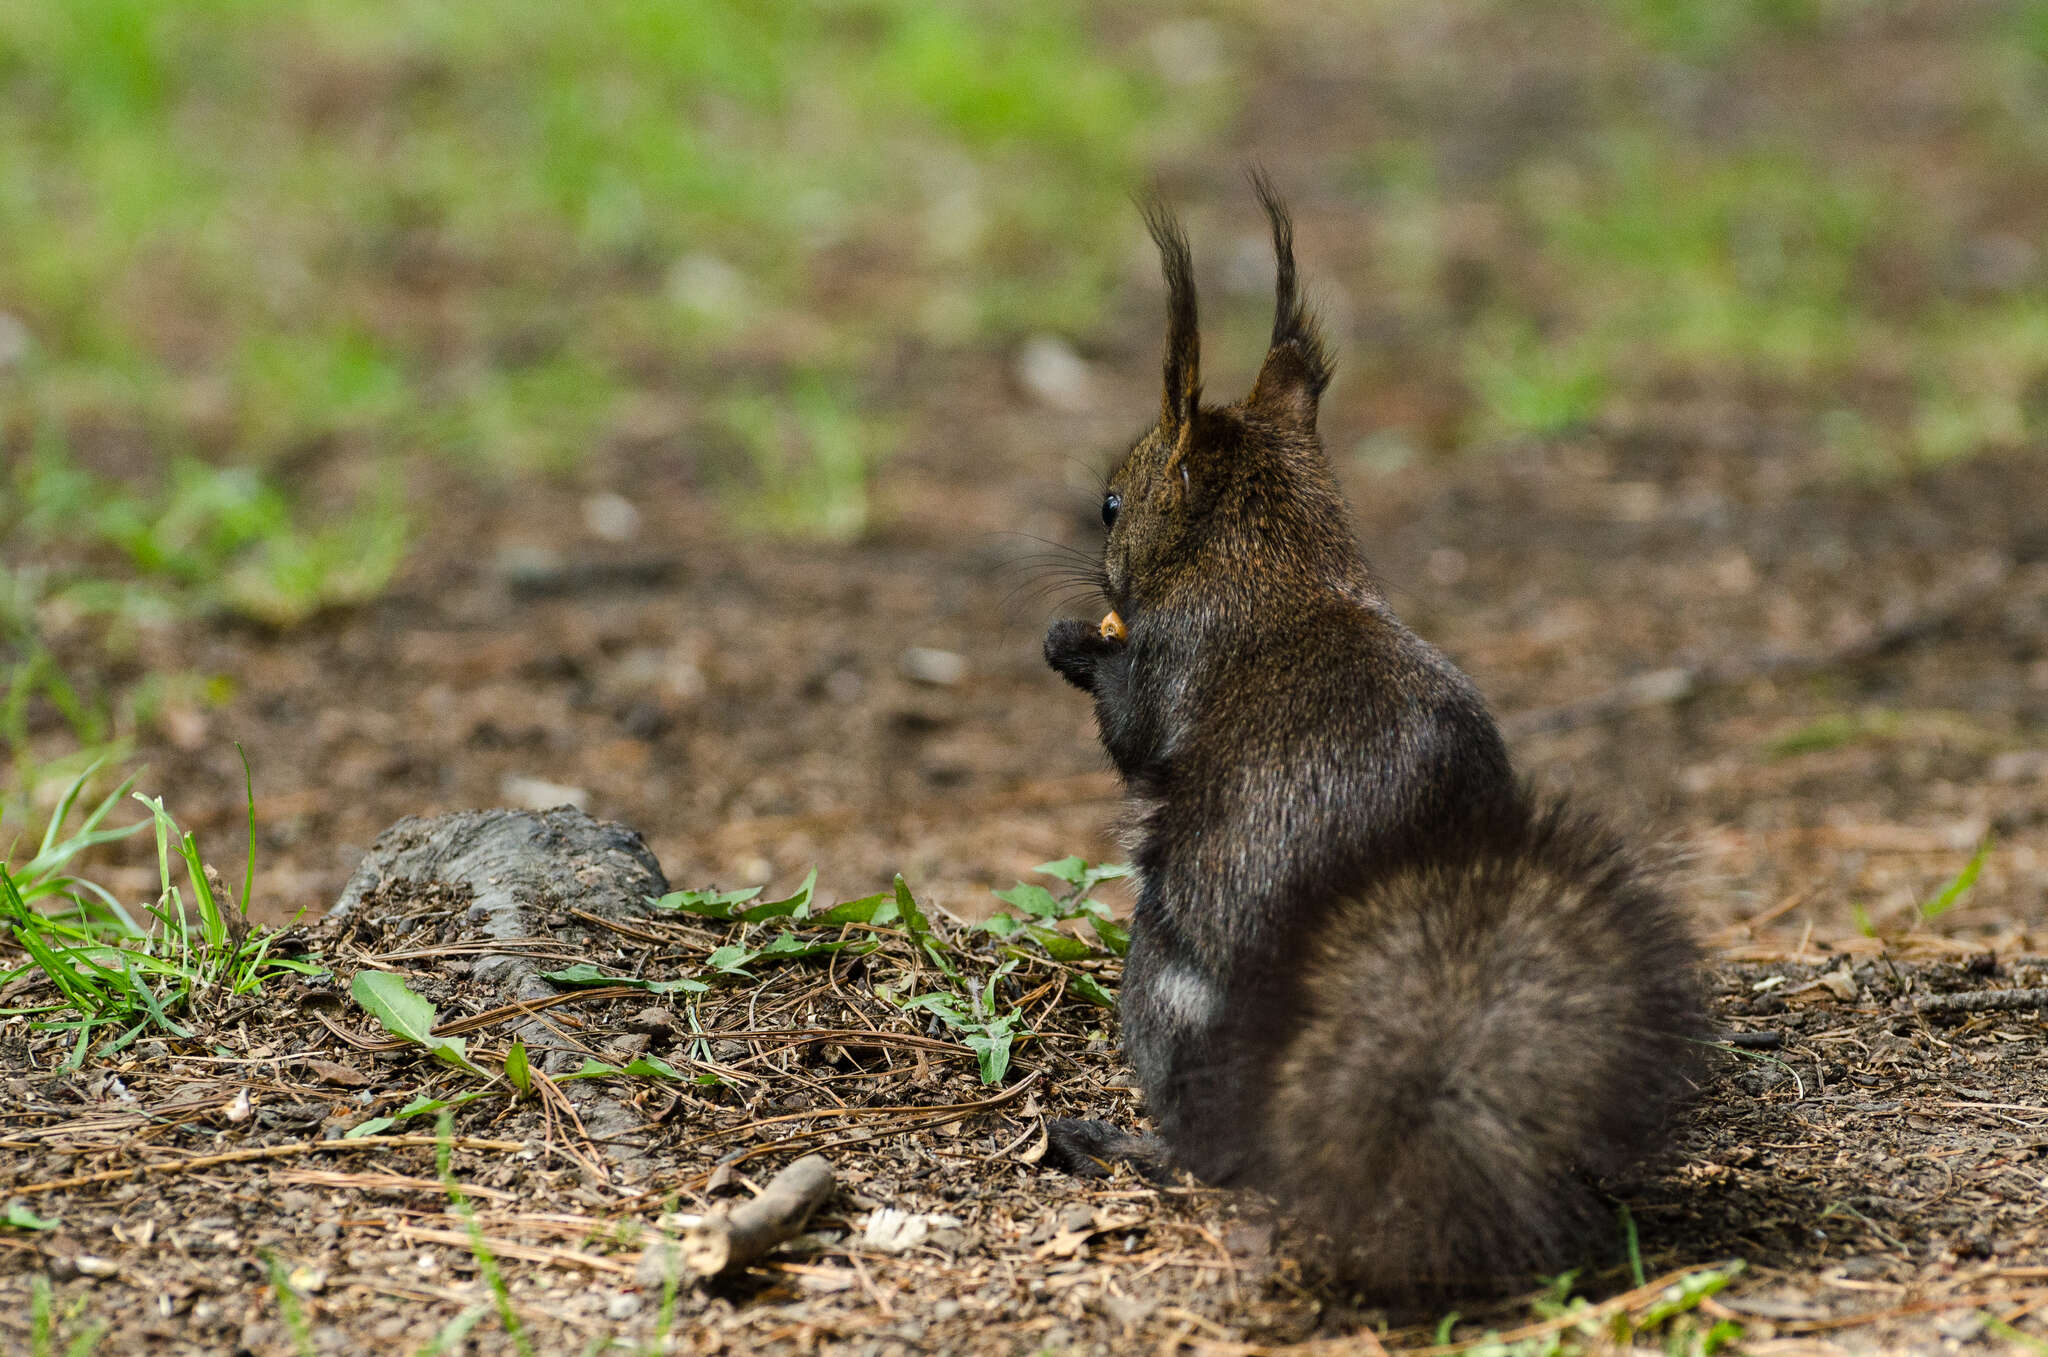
455 1331
64 804
161 819
289 1304
148 998
41 1326
479 1248
249 800
55 853
1958 888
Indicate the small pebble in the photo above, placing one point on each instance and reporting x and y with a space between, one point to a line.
13 341
939 668
1054 375
611 516
2020 765
535 793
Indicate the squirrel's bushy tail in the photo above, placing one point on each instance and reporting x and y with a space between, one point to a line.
1481 1038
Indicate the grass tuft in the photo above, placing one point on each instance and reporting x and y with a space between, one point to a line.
105 973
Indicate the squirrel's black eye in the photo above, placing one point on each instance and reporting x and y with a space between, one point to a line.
1110 504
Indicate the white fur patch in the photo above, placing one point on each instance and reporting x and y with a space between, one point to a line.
1187 998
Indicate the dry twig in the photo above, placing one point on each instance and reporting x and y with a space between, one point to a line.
1982 1001
725 1240
208 1161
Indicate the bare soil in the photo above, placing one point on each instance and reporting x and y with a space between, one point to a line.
1879 1174
1875 1164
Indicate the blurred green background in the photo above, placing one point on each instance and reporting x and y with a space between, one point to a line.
261 261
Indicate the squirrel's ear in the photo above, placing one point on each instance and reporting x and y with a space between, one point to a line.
1183 339
1296 370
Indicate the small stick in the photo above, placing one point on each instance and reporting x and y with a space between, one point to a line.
1982 1001
726 1240
913 1110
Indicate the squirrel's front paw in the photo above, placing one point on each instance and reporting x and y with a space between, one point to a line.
1075 649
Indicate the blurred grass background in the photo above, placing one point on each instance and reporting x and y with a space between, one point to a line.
257 260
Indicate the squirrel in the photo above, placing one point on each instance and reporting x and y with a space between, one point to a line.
1371 973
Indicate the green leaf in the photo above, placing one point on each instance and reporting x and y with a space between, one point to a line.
407 1016
1070 870
788 946
516 1067
945 1006
710 904
869 909
1686 1293
583 973
733 904
796 906
1116 939
1036 901
1956 889
1724 1332
1001 925
1059 946
992 1050
920 929
985 1002
19 1217
418 1107
1082 877
1091 989
645 1067
731 959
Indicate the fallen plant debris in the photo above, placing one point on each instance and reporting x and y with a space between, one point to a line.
735 1236
693 1043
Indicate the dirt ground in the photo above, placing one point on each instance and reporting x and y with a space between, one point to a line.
1872 1159
755 709
1823 693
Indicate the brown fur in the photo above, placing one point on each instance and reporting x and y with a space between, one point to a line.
1367 973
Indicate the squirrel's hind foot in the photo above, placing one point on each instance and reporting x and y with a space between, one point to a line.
1093 1149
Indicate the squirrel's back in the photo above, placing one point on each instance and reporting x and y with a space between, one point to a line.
1369 972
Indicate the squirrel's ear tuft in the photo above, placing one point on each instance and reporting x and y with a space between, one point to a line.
1183 339
1297 369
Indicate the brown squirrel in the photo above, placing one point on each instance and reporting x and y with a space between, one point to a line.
1371 973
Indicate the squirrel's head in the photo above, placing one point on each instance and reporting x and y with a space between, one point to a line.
1217 504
